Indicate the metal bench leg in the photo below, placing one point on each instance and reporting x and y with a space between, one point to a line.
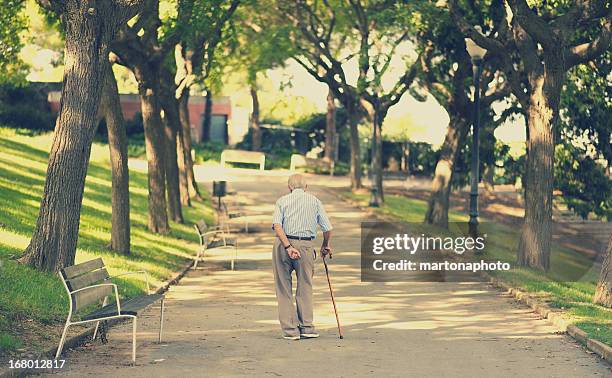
235 256
161 321
62 340
93 338
98 323
197 259
134 339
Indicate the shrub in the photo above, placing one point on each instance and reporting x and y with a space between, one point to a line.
25 107
208 151
585 186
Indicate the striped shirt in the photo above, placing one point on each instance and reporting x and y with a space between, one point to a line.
299 213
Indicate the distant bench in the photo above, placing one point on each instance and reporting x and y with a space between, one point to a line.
299 161
241 156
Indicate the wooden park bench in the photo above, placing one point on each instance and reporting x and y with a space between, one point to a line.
241 156
301 161
89 283
217 237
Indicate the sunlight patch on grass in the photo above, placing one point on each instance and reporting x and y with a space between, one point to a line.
27 294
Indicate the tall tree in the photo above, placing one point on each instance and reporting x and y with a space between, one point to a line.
379 28
315 42
254 119
208 103
142 49
89 26
110 109
172 131
195 58
447 75
262 44
541 43
330 126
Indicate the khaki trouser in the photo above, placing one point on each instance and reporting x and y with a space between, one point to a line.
294 322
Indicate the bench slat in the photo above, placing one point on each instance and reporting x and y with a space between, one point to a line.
89 296
201 226
87 279
242 156
76 270
298 161
130 307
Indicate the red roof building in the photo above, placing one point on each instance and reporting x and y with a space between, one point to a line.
220 120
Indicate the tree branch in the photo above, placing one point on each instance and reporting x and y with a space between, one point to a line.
532 23
582 11
56 6
587 51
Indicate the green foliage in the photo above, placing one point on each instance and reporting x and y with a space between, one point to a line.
262 40
511 168
586 103
134 127
209 30
585 128
9 343
422 157
25 107
12 23
208 151
585 186
315 126
204 152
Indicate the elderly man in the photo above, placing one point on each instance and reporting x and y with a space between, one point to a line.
296 216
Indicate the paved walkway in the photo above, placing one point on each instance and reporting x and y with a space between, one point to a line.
223 323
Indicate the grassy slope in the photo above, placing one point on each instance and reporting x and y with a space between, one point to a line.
28 294
574 296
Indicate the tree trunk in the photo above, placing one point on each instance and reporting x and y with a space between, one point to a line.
603 293
255 129
487 154
536 236
330 127
54 240
488 178
110 107
194 191
171 126
438 204
207 116
355 170
405 164
180 157
156 152
377 163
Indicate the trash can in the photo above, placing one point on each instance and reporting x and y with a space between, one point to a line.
219 188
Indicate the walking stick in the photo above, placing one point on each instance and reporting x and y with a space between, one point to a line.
331 292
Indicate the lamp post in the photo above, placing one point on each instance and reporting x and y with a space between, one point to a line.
476 53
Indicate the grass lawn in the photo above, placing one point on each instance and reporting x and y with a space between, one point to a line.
31 301
573 296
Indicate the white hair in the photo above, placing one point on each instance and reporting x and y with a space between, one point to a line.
297 181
